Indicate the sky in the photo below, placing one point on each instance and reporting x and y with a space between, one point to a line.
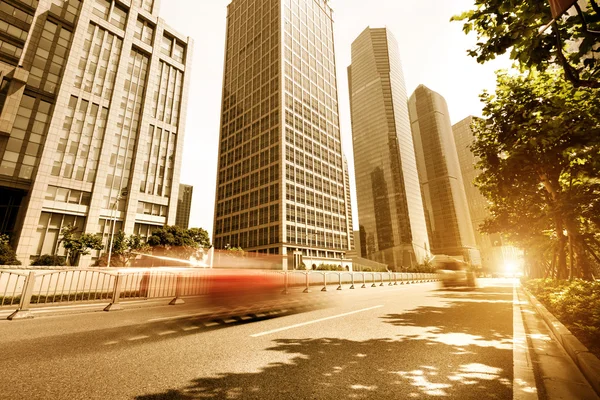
433 51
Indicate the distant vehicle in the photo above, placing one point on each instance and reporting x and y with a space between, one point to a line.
455 274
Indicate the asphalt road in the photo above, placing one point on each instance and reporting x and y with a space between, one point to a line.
399 342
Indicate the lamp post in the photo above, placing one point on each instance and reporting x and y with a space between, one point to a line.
113 216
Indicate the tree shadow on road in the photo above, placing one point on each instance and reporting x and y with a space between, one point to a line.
460 349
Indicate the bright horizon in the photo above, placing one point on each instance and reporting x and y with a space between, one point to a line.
432 50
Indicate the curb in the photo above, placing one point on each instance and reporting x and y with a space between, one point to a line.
587 362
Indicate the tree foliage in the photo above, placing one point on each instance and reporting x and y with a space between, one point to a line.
7 254
76 244
539 151
513 26
124 250
49 260
179 243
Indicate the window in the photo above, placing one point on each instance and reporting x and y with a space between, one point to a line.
166 46
144 31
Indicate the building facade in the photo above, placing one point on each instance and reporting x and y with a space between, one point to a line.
445 202
390 207
184 206
280 183
495 255
92 121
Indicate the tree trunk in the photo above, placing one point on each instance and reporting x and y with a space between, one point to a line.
561 267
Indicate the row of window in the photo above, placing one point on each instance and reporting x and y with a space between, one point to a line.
70 196
311 237
24 145
80 142
249 239
152 209
258 197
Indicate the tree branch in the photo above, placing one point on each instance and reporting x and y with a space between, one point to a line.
584 23
571 73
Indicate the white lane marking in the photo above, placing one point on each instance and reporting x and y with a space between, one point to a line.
313 322
191 328
111 343
176 317
138 338
209 324
524 387
166 333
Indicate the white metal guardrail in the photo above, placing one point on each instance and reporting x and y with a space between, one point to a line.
21 289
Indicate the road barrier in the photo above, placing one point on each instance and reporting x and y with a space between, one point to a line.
68 286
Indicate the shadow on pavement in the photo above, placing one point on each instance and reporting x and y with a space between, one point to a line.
461 349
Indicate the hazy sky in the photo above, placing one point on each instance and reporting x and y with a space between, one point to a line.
432 49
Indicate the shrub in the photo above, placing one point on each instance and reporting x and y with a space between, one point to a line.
575 303
49 260
7 254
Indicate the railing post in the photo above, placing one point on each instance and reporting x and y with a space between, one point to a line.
352 286
364 285
116 297
307 290
178 290
324 282
285 283
373 280
23 311
390 279
395 279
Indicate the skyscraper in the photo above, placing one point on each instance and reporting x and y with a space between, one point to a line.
390 207
494 254
445 201
184 206
93 107
280 184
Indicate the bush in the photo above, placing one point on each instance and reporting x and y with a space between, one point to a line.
7 254
49 260
575 303
330 267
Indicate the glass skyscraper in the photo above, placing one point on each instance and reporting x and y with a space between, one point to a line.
92 100
445 201
281 184
495 255
390 208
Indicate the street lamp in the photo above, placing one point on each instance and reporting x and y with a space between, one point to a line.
113 216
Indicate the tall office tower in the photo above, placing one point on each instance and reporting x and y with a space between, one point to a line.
93 109
495 255
184 206
280 176
444 198
390 208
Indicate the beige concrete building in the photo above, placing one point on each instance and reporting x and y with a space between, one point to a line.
95 106
495 255
280 183
390 208
184 206
445 202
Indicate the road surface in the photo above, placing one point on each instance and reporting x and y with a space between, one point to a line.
400 342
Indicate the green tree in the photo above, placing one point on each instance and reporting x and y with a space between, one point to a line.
7 254
179 243
514 26
77 245
539 145
124 250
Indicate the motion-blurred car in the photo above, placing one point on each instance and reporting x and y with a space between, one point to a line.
455 274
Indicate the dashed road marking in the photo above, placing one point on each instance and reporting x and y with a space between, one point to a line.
314 321
138 338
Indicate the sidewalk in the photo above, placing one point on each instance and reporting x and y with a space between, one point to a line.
557 376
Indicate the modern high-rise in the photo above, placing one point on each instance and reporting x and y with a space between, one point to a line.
280 183
390 207
92 119
184 206
495 255
445 202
